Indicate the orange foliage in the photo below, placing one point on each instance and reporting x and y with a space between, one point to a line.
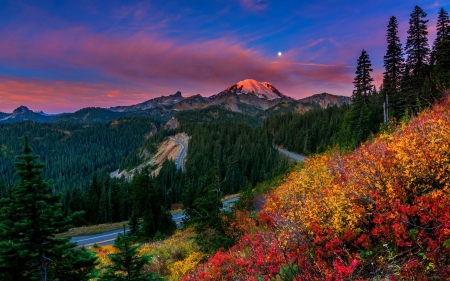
382 211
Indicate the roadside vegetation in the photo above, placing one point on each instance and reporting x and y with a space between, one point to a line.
374 205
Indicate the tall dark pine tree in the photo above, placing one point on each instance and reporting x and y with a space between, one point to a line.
393 64
148 203
93 201
127 263
3 190
363 79
440 56
417 51
360 124
29 221
203 213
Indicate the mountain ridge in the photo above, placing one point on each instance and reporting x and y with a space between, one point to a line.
247 96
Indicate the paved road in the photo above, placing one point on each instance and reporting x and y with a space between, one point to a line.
291 155
179 161
107 238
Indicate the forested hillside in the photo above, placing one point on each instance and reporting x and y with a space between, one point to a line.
80 158
240 154
378 212
309 133
74 152
370 202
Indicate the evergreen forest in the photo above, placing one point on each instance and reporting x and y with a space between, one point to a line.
229 153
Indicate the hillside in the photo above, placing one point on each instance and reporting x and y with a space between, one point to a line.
380 212
169 149
73 152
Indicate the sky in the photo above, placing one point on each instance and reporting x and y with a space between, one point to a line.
61 56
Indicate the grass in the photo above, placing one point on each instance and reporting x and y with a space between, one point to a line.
100 228
231 196
92 229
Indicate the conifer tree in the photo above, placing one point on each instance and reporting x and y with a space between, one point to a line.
93 201
3 190
417 51
127 263
393 64
148 205
360 125
28 222
363 80
440 56
204 213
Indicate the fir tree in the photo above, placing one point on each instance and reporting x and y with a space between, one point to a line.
204 213
417 51
127 263
363 90
3 190
363 80
148 205
393 64
440 56
29 221
93 201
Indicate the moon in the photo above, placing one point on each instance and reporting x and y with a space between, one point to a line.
279 54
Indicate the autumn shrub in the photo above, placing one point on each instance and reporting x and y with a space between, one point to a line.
172 257
381 212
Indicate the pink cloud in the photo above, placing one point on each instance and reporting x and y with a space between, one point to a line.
147 65
62 96
254 5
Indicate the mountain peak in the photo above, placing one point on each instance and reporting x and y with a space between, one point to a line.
152 103
326 99
21 109
263 90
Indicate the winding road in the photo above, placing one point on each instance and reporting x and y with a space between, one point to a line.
291 155
179 161
107 238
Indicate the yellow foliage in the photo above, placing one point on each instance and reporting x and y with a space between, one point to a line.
180 268
336 192
165 254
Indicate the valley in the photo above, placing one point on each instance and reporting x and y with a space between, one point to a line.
249 140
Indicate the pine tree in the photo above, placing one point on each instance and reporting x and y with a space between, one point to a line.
3 190
28 222
148 205
127 263
105 204
440 56
93 201
204 213
363 80
363 89
417 51
393 64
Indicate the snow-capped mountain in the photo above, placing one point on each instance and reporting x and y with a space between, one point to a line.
262 90
43 113
249 97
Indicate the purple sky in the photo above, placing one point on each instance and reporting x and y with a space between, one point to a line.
60 56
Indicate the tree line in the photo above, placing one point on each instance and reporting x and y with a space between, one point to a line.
29 220
414 78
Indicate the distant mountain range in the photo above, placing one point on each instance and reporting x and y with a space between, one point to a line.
22 113
248 96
